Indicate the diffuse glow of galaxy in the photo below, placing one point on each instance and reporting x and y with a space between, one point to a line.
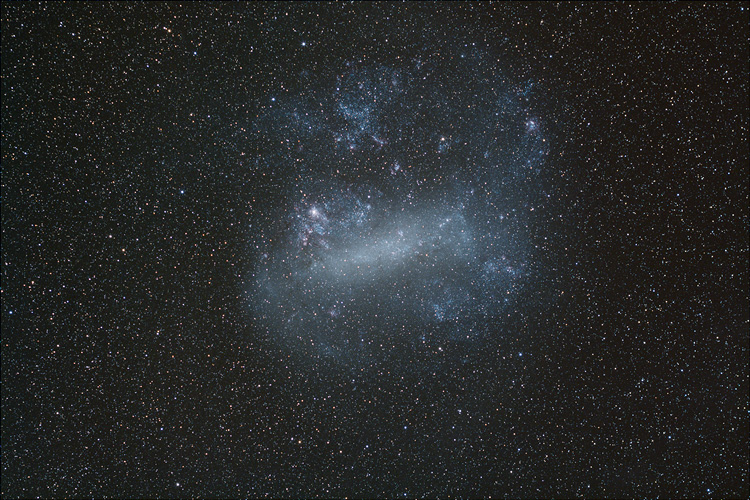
420 227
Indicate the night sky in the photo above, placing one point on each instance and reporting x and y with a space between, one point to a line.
375 250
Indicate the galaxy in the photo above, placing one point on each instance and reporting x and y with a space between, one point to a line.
385 238
375 250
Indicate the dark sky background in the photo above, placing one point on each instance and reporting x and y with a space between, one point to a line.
161 163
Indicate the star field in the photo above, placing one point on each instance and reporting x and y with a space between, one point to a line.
375 250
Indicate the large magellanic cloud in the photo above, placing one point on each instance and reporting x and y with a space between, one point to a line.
404 219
